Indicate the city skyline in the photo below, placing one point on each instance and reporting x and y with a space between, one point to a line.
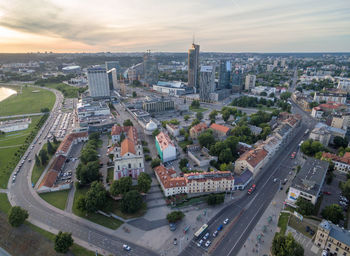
164 26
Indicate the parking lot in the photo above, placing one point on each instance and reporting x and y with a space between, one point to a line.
332 192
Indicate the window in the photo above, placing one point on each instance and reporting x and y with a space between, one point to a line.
118 167
129 165
140 165
336 249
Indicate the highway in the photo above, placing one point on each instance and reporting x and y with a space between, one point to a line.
44 215
246 211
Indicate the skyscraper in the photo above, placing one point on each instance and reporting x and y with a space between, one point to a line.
112 79
193 66
249 82
224 74
98 82
237 80
113 64
206 82
150 69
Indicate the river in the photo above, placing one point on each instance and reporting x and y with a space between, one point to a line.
6 92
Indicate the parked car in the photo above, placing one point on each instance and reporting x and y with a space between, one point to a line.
226 221
215 233
199 244
205 237
326 192
126 247
207 244
220 227
292 156
175 241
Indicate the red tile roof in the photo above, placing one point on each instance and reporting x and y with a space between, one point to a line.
344 159
165 176
58 163
164 140
199 127
127 146
67 141
49 179
254 156
130 131
220 128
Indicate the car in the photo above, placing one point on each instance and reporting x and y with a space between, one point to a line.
199 244
220 227
281 188
252 188
226 221
205 237
215 233
324 253
292 156
274 180
326 192
126 247
207 244
175 241
284 181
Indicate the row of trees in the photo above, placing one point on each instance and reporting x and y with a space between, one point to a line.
253 102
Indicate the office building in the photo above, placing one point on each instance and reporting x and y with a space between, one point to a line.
98 82
224 74
249 82
252 160
193 66
206 82
237 80
113 64
332 238
158 105
135 72
112 79
309 181
150 69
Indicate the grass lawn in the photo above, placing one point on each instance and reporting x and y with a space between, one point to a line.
10 144
27 102
67 90
110 172
94 217
57 199
77 250
5 205
283 221
198 109
300 226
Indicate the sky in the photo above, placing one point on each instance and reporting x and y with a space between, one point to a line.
170 25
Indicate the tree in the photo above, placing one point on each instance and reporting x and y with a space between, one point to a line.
333 212
214 199
183 163
199 115
195 104
285 95
340 142
213 114
305 207
88 154
37 160
63 241
345 187
81 203
186 117
134 94
226 115
43 156
225 156
54 139
127 122
17 216
155 132
272 95
286 246
131 202
263 94
175 216
144 182
87 173
206 139
121 186
45 110
95 198
155 162
50 148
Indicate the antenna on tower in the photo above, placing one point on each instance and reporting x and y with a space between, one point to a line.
193 37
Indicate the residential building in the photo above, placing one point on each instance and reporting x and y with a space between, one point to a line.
253 160
271 145
332 238
309 181
321 134
193 66
317 112
220 130
98 82
15 125
341 121
242 180
206 82
198 129
338 97
135 72
158 105
165 147
224 74
170 184
200 155
150 69
123 131
174 130
341 163
344 84
255 129
269 67
249 82
69 140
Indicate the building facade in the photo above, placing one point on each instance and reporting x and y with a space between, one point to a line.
165 147
252 160
249 82
224 74
150 69
198 129
158 105
206 82
338 97
98 82
341 163
193 66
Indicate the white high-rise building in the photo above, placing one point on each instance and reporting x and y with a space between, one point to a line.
206 82
249 82
98 82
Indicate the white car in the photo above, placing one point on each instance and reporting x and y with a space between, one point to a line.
215 233
200 243
226 221
205 237
207 243
126 247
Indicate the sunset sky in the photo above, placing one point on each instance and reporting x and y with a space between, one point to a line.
168 25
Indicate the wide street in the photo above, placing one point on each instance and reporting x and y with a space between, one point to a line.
44 215
245 212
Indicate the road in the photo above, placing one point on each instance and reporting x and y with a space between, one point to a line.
246 211
46 216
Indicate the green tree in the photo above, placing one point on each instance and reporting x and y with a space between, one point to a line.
286 246
175 216
96 197
50 148
333 212
121 186
43 156
305 207
345 187
340 142
285 95
183 163
155 162
214 199
81 203
199 115
226 115
225 156
17 216
131 202
37 160
87 173
144 182
88 155
186 117
63 241
134 94
195 104
213 114
155 132
206 139
128 122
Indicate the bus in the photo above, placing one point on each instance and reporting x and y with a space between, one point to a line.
201 231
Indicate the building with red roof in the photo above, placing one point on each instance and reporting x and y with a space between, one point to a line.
69 140
253 160
341 163
165 147
198 129
220 130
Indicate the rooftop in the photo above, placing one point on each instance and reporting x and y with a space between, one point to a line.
342 159
199 127
166 177
254 156
163 140
220 128
336 232
67 141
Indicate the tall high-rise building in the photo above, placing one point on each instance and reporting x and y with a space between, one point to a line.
112 79
193 66
98 82
206 82
224 74
249 82
113 64
237 80
150 69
